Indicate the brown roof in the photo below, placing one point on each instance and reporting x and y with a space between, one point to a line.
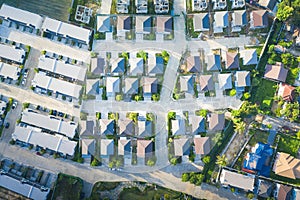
286 92
202 145
163 24
182 146
193 64
206 83
124 22
126 127
287 166
144 147
276 72
216 122
260 18
284 192
124 146
232 60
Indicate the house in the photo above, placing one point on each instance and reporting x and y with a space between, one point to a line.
92 86
265 188
225 81
249 56
199 5
258 19
88 147
98 66
233 179
216 122
126 127
187 84
202 145
259 160
106 147
107 126
32 22
117 66
124 147
276 72
219 4
136 66
201 22
182 147
242 80
12 54
24 188
144 148
287 166
145 128
87 128
150 86
161 6
268 4
198 124
53 28
232 60
131 86
123 25
155 65
53 142
46 84
213 62
237 4
61 68
112 86
164 25
239 20
206 83
286 92
284 192
141 6
104 24
221 21
49 123
9 71
143 24
122 6
178 127
193 64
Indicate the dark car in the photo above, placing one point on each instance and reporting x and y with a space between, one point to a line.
7 125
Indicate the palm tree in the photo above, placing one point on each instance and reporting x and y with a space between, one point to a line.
221 160
240 127
143 54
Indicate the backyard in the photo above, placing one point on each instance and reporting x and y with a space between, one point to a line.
288 144
57 9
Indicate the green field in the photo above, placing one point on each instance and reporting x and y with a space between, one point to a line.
57 9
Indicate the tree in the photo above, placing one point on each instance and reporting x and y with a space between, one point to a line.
287 59
240 127
118 163
202 113
125 55
137 97
97 36
165 55
111 164
221 160
271 48
142 54
284 12
95 162
93 54
174 161
206 159
185 177
298 135
232 92
172 115
246 95
155 97
119 97
150 162
250 195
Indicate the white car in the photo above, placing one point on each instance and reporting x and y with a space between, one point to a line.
14 105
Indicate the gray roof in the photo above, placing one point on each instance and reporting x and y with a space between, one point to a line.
87 128
112 84
9 71
117 65
213 62
60 67
145 128
249 56
216 122
67 30
49 123
23 16
11 53
126 127
237 180
186 84
206 83
23 189
221 19
56 142
193 64
56 85
103 24
92 86
232 60
144 147
265 188
182 146
242 79
178 127
98 65
131 86
276 72
136 66
143 24
124 147
123 23
88 146
107 147
155 65
107 126
225 81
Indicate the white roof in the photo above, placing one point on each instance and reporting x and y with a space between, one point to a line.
9 71
24 189
66 29
23 16
11 53
237 180
56 85
249 56
56 143
60 67
112 84
49 122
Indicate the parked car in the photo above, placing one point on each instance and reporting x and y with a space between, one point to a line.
14 105
7 125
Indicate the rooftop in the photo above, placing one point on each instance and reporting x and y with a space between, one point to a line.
12 53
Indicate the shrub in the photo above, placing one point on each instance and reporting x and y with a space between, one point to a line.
12 142
43 52
250 195
185 177
25 105
232 92
95 162
174 161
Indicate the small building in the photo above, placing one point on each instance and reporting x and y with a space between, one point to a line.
106 147
12 54
161 6
198 124
286 92
126 128
143 24
141 6
87 128
92 86
88 147
249 56
145 129
259 19
265 188
136 66
233 179
123 25
112 86
276 72
287 166
216 122
164 25
124 147
98 66
238 4
187 84
131 86
268 4
221 21
150 86
9 71
225 81
104 24
178 127
206 83
107 126
200 5
202 145
201 22
155 66
239 20
122 6
284 192
83 14
117 66
213 62
182 147
144 148
232 60
193 64
242 80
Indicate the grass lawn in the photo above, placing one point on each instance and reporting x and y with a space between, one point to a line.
292 75
288 144
264 94
259 136
57 9
67 187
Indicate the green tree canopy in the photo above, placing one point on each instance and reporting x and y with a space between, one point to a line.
284 12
